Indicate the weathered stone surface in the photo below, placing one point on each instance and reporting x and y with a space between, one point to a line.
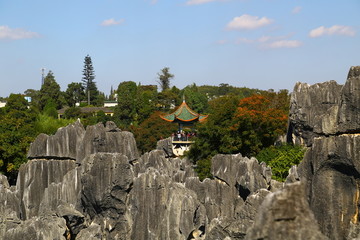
313 111
176 168
162 209
166 146
41 185
39 228
73 142
349 107
93 232
107 139
246 174
324 109
74 219
61 145
244 219
106 179
285 215
330 169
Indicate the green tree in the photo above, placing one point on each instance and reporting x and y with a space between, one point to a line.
50 91
125 112
149 132
16 133
281 158
197 100
75 93
164 78
214 136
246 126
145 101
168 99
34 95
88 81
50 109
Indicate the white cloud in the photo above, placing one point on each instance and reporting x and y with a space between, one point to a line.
110 22
267 42
197 2
16 33
284 44
334 30
296 10
248 22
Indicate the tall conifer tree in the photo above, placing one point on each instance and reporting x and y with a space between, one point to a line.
88 80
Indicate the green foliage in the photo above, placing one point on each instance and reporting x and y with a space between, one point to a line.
214 135
72 113
125 111
50 91
246 126
50 109
281 158
75 94
197 100
167 98
164 78
49 125
89 84
148 133
203 168
16 134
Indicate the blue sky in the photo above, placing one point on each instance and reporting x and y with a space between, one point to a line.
253 43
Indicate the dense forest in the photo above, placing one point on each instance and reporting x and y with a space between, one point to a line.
241 120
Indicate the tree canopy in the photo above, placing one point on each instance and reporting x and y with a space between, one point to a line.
164 78
88 81
50 91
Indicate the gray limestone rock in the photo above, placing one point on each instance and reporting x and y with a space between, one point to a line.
163 209
166 146
331 171
285 214
349 107
93 232
62 145
41 187
106 180
324 109
39 228
107 139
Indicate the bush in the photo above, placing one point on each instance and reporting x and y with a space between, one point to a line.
49 125
281 158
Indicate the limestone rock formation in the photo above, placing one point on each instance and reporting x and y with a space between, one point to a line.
285 215
330 170
93 184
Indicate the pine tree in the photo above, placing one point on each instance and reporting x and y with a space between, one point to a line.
88 80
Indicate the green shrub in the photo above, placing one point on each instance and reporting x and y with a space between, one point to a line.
49 125
281 158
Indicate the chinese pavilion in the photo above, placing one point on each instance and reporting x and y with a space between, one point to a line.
184 116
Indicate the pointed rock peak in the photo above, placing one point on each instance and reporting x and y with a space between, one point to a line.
354 72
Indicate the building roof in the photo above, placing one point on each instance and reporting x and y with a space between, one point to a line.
89 110
184 114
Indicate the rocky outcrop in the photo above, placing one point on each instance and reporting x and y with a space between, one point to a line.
324 109
285 215
102 189
93 184
329 126
63 144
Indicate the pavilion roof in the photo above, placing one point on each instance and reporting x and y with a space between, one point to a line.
185 114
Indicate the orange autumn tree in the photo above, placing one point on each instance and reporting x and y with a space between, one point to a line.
259 120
